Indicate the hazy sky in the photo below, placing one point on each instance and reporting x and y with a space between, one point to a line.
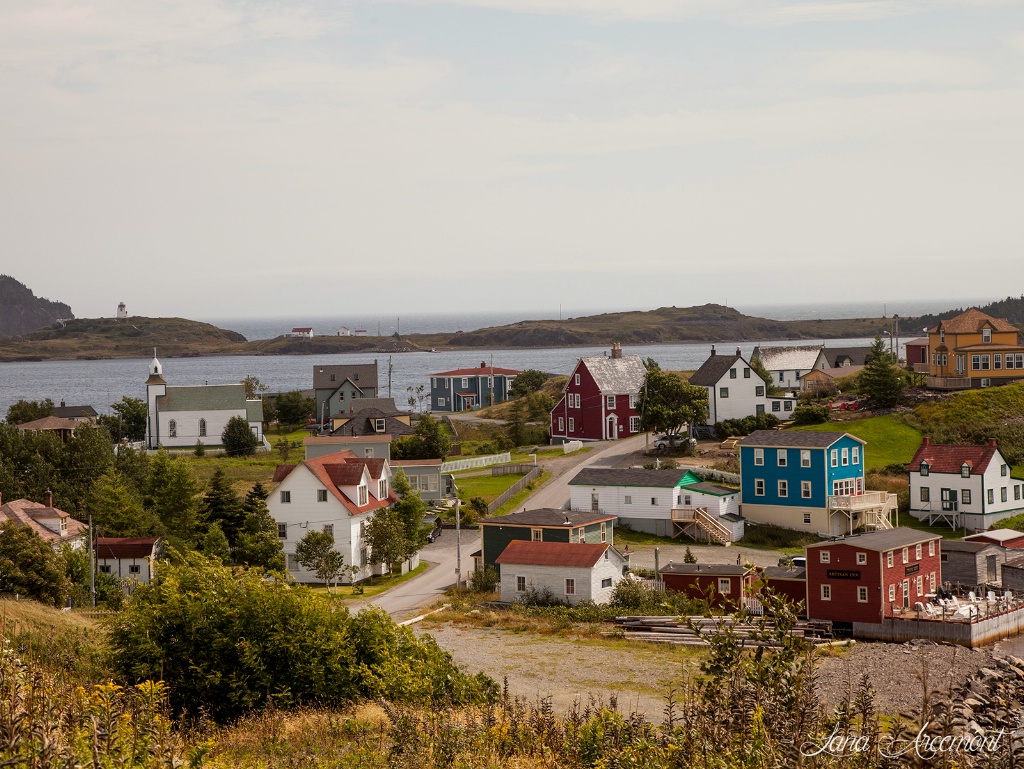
237 158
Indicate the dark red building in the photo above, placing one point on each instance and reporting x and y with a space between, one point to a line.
599 401
723 585
788 581
864 577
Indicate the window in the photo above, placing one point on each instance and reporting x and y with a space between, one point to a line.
368 453
293 562
105 569
807 518
632 401
725 586
845 457
917 553
825 556
965 470
997 361
780 457
783 488
172 429
805 458
888 559
787 404
572 424
782 376
732 373
282 530
991 496
610 401
826 592
364 495
931 581
634 424
537 535
924 468
759 409
202 428
1016 492
892 593
465 382
382 488
805 491
834 458
759 391
581 535
986 382
746 373
431 482
775 405
723 392
570 586
862 559
520 584
440 402
561 424
759 487
606 582
758 457
855 455
577 400
379 425
1004 470
925 494
654 501
986 335
134 569
286 497
920 586
628 500
1002 494
321 495
906 555
862 594
414 482
577 379
329 529
931 547
604 532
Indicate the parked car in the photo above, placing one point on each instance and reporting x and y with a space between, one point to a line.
796 561
434 524
669 441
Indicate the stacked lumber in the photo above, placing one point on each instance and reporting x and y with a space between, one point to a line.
692 631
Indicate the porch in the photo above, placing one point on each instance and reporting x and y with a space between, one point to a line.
699 525
949 383
869 510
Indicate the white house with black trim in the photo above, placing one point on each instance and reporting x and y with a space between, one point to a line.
736 391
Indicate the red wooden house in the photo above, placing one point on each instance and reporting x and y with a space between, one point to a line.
868 577
790 581
724 585
600 398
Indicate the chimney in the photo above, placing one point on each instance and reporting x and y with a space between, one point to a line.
62 403
49 498
738 353
926 441
617 350
713 350
483 364
991 441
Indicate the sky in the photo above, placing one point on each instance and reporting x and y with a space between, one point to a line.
237 159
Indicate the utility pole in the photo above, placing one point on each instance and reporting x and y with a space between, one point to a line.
458 540
92 565
389 376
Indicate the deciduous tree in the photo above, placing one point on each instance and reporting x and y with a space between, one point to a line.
430 441
30 568
29 411
527 382
128 422
668 403
254 388
238 438
386 538
316 552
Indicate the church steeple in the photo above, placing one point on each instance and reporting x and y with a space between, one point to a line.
156 371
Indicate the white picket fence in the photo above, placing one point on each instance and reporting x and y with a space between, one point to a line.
468 463
570 446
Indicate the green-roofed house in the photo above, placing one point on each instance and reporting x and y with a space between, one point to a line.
183 416
669 503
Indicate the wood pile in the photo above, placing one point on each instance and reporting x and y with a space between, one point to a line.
690 631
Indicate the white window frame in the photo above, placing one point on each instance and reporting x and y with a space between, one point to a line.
759 487
781 457
917 552
807 518
889 559
520 583
634 424
321 495
570 586
892 593
572 425
628 500
805 457
758 457
834 458
931 547
609 401
536 535
286 497
805 490
824 556
329 529
725 586
561 424
577 379
862 559
844 455
282 530
363 494
826 592
783 488
862 594
440 402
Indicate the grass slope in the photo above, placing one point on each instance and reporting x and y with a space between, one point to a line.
63 643
888 441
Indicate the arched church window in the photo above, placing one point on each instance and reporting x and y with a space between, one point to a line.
172 428
202 428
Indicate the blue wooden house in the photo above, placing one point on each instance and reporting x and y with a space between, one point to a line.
466 389
810 481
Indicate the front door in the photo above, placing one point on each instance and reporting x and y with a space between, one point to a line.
612 430
948 500
906 594
990 564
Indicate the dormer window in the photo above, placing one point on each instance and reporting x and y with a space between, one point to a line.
942 336
63 525
364 496
334 377
378 425
986 335
924 468
965 470
382 488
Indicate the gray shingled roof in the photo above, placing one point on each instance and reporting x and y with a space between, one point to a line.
788 358
254 411
361 423
714 368
70 412
203 398
858 355
882 540
598 476
361 374
548 516
712 488
617 376
958 545
714 569
784 572
804 439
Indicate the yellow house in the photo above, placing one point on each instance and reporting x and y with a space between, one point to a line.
974 350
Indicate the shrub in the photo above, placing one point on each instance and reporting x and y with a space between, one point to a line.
746 425
806 414
228 642
200 449
485 580
238 439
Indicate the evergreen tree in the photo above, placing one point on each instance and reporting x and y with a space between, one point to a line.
515 426
258 491
257 544
881 380
215 544
84 458
222 506
171 496
133 464
238 438
117 509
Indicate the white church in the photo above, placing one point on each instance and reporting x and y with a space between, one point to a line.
181 417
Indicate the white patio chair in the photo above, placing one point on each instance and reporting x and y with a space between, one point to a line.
972 597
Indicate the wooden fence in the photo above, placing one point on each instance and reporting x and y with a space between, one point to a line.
514 489
511 469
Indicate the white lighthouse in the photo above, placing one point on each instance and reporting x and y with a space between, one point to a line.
122 311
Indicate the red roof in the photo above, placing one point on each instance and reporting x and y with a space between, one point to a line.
343 468
523 551
24 512
973 321
481 371
125 547
949 458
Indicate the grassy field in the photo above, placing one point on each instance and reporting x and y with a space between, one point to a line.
488 487
523 495
370 587
64 643
243 472
888 441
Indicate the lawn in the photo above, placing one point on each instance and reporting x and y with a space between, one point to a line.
243 472
906 520
522 496
888 442
624 536
372 586
488 487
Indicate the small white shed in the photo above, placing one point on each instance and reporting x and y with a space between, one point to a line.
569 571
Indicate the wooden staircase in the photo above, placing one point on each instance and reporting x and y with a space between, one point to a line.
699 525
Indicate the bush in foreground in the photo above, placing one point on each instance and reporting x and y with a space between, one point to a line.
228 642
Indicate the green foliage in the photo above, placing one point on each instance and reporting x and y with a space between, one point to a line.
430 441
889 440
199 450
527 382
478 507
809 414
238 438
635 596
880 380
688 556
128 422
758 368
171 496
746 425
215 545
769 536
257 544
254 388
316 552
30 568
410 509
29 411
283 447
117 508
385 536
293 408
230 642
485 580
222 506
667 402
